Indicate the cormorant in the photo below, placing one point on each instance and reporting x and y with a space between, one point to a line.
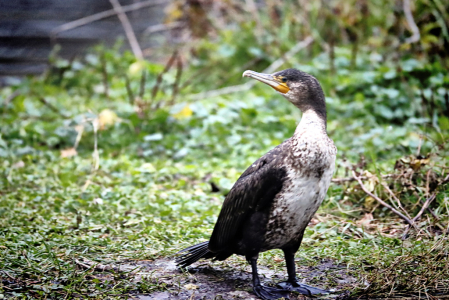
272 202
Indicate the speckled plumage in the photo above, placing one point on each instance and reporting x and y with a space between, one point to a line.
309 158
272 202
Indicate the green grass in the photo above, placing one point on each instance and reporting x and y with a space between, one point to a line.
148 193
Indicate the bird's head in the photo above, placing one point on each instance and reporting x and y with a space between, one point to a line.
300 88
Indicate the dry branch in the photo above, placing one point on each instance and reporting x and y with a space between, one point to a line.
177 80
246 86
349 179
411 23
104 72
423 208
88 264
143 79
445 180
407 220
159 77
395 198
130 35
425 205
103 15
163 27
129 90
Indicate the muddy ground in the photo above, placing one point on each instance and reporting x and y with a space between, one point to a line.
231 279
224 280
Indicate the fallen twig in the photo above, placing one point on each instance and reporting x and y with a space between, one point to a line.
349 179
103 15
130 35
445 180
88 264
395 198
7 274
159 77
143 79
177 80
246 86
104 72
411 22
407 220
162 27
129 90
423 208
431 212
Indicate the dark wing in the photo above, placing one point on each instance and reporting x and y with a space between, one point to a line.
252 192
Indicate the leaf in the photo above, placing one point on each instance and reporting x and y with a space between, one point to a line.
391 93
278 259
24 150
417 163
372 181
384 111
136 68
226 50
3 143
106 118
70 152
186 112
390 74
190 286
3 153
153 137
443 122
410 64
147 168
98 201
366 220
181 153
19 164
370 202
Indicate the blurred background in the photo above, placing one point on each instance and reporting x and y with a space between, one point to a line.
382 61
123 123
30 30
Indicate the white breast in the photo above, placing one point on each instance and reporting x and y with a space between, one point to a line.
295 205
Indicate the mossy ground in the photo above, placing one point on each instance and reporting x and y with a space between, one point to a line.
101 167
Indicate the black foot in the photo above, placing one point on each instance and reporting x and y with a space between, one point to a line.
301 288
270 293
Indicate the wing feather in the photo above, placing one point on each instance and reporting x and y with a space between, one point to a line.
255 189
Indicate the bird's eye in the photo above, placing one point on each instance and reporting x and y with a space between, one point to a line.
284 79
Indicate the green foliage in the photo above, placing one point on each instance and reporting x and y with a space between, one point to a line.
94 164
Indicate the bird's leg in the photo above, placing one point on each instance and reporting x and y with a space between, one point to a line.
292 284
264 292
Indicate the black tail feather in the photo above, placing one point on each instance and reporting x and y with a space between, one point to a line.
194 253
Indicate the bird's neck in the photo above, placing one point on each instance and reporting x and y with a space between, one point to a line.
311 120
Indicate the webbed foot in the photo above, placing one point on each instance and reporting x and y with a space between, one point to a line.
270 293
301 288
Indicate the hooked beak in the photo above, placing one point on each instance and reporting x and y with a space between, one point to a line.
268 79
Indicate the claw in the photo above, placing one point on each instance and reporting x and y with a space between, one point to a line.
270 293
301 288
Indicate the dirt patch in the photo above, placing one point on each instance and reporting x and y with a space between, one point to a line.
226 280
